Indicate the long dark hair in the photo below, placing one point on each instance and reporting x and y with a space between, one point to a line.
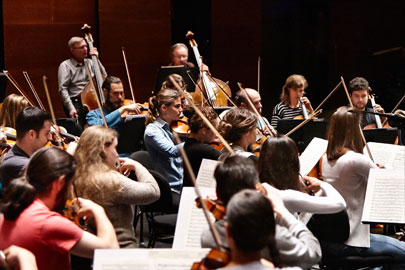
344 133
251 223
278 163
46 165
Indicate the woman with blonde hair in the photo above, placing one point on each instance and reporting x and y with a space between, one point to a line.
292 98
98 179
164 108
239 128
12 105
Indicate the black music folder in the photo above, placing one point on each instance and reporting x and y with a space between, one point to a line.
183 71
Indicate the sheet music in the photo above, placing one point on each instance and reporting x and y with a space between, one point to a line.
190 219
143 259
205 177
385 196
311 155
389 155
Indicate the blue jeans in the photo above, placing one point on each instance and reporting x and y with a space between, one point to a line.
380 245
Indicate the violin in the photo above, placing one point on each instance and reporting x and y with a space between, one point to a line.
214 206
214 259
181 126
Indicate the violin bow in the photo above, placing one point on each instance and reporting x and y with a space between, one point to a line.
207 122
129 77
97 98
27 78
316 112
395 108
18 87
261 120
361 130
186 161
59 136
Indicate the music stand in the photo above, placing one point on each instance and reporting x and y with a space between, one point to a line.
303 136
381 135
165 71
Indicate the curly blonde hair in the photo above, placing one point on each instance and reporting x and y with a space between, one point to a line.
94 178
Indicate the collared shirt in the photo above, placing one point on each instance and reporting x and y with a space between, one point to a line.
72 78
113 118
164 153
13 165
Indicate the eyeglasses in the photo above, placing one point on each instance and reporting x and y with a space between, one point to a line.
81 47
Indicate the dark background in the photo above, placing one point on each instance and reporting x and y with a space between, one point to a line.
320 39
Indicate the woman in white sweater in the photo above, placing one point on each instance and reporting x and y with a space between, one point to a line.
347 169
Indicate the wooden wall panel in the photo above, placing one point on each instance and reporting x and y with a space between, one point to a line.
144 29
36 33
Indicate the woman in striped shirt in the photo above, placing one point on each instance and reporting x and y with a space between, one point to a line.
292 96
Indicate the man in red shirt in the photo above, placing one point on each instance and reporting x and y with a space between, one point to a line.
30 219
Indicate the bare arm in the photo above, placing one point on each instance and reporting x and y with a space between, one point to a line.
105 238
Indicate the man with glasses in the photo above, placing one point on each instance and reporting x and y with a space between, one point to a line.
72 77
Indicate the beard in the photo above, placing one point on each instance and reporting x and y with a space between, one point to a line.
114 105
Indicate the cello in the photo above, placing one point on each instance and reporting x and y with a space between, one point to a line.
214 90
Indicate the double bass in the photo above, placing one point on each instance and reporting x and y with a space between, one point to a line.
214 91
88 95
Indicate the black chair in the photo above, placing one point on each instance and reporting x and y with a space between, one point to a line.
159 214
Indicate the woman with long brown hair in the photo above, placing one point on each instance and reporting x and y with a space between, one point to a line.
292 100
98 179
239 128
164 108
346 168
12 105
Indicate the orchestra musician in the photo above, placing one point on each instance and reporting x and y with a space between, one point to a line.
251 226
197 145
29 213
359 91
292 98
179 55
72 77
238 127
33 127
18 258
12 105
346 168
98 179
164 108
296 244
114 109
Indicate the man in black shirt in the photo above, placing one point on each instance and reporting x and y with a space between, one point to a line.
33 127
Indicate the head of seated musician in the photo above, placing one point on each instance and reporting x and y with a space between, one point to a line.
344 165
33 127
114 109
197 145
239 128
12 105
292 100
98 179
30 212
167 84
179 55
247 240
359 91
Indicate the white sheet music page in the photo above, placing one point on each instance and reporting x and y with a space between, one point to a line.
312 154
205 177
144 259
389 155
385 197
190 219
